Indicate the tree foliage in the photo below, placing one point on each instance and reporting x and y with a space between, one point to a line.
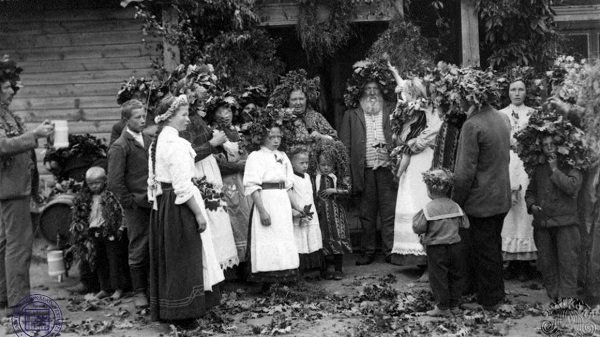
222 32
516 32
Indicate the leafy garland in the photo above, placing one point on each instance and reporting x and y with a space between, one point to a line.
81 147
369 71
571 149
455 88
322 39
567 78
81 240
295 80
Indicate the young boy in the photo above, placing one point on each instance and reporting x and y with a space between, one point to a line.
127 179
98 234
439 223
552 199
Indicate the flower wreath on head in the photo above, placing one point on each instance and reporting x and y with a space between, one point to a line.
438 179
253 133
369 71
336 151
11 72
197 81
571 150
295 80
178 102
225 99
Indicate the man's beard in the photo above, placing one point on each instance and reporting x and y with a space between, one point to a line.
372 105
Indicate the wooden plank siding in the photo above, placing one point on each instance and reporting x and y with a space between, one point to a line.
73 64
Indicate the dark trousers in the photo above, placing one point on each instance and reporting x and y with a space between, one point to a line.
111 264
88 276
446 266
485 256
138 231
16 241
378 197
558 251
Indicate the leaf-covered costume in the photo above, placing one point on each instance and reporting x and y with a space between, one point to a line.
112 213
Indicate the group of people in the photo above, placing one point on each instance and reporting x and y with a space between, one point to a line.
179 207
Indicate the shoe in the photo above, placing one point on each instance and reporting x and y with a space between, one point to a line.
471 306
491 307
140 300
338 275
100 295
80 288
365 260
437 312
117 295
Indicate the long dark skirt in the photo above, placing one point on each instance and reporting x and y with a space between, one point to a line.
446 146
176 279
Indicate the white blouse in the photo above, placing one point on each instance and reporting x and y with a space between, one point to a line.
174 164
267 166
518 115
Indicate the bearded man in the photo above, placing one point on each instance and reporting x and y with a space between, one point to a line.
366 132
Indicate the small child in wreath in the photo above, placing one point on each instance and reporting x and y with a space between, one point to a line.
98 234
439 223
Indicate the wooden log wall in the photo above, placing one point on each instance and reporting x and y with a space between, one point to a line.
74 61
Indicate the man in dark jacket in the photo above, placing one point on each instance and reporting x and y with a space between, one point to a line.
367 134
17 173
482 189
128 180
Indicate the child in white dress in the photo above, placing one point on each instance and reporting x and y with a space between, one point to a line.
307 232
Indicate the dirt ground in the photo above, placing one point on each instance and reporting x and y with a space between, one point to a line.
376 300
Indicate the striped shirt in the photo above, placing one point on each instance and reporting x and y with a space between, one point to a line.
374 127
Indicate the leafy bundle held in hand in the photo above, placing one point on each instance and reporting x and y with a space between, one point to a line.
212 197
571 151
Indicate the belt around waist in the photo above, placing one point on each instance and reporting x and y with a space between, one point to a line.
273 186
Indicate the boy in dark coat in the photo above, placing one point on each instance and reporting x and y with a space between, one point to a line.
552 199
128 180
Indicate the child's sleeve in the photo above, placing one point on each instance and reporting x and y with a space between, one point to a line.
419 223
252 175
531 193
568 183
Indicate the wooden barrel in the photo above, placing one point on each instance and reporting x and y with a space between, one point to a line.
55 219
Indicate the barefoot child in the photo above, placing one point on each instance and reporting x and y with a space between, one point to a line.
439 223
306 226
98 230
332 216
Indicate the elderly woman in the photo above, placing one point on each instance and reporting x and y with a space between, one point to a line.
518 246
297 92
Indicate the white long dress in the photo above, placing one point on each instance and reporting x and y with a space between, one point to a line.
218 220
412 194
272 248
517 232
308 235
